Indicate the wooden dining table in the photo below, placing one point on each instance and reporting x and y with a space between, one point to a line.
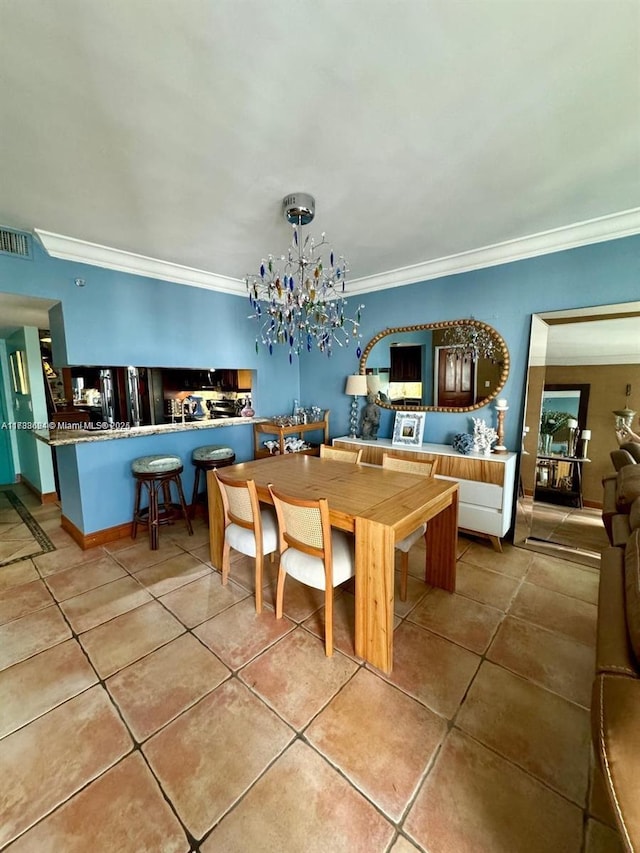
380 507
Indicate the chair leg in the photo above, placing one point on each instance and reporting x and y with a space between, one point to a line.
194 496
280 591
404 571
183 504
259 566
136 510
328 621
226 562
153 515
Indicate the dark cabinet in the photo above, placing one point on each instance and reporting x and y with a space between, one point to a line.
406 364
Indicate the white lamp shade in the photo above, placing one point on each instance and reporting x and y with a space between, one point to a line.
586 434
572 424
356 385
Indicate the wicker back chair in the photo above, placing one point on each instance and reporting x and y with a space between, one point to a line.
311 552
409 466
247 528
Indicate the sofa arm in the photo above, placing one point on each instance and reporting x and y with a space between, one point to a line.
615 717
620 530
613 649
609 505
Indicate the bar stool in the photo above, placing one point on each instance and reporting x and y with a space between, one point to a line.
156 474
205 459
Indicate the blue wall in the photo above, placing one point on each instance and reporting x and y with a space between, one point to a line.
91 471
124 319
8 444
120 319
503 296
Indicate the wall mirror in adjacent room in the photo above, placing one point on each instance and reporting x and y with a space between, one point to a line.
582 360
455 365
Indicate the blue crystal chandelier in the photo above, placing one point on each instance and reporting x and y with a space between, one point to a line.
298 300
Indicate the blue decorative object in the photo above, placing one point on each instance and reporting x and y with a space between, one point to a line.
463 442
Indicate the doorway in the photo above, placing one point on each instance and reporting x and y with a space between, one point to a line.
456 378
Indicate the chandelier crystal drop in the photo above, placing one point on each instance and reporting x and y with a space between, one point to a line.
473 340
298 299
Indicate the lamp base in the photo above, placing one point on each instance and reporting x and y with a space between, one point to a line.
353 418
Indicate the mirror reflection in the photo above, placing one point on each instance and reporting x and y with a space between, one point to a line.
581 364
456 365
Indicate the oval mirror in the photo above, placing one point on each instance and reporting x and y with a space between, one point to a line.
451 366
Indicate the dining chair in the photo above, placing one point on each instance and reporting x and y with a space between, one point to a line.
248 528
409 466
328 452
311 552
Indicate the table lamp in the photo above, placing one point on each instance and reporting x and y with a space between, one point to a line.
585 435
356 387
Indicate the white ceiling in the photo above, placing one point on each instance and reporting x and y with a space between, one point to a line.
605 334
424 128
17 310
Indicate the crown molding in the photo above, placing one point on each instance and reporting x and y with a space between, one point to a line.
72 249
612 227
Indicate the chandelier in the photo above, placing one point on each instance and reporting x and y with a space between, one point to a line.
298 299
472 340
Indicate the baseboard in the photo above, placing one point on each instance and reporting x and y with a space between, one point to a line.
44 498
98 537
109 534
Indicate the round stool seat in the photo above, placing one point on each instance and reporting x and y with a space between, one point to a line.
156 464
204 459
212 453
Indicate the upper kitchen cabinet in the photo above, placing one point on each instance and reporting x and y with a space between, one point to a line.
211 379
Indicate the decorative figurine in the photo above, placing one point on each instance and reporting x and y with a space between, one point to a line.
483 436
370 418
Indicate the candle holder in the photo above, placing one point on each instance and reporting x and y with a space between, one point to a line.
501 410
572 443
585 435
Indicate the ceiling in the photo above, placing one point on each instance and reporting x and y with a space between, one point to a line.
604 334
18 310
425 128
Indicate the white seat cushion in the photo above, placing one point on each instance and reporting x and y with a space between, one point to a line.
244 541
310 571
409 541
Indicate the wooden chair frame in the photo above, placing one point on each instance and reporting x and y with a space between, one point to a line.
427 468
340 454
286 541
255 525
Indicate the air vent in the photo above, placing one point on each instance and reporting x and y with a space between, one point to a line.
16 243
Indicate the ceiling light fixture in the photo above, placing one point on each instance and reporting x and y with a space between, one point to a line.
298 299
471 339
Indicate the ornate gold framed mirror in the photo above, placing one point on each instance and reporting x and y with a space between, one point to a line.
450 366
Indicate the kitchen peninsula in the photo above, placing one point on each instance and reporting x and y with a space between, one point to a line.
96 488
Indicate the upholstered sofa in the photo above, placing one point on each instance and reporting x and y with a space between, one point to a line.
615 706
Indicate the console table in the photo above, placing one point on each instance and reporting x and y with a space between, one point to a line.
269 428
559 479
487 483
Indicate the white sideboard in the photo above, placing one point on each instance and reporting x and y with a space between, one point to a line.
487 483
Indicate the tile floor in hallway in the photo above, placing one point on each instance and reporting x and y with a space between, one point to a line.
144 707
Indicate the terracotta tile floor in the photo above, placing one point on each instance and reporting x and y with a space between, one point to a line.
144 707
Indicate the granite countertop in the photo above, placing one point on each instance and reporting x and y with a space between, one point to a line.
59 437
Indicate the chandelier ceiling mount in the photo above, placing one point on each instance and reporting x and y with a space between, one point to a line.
298 299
